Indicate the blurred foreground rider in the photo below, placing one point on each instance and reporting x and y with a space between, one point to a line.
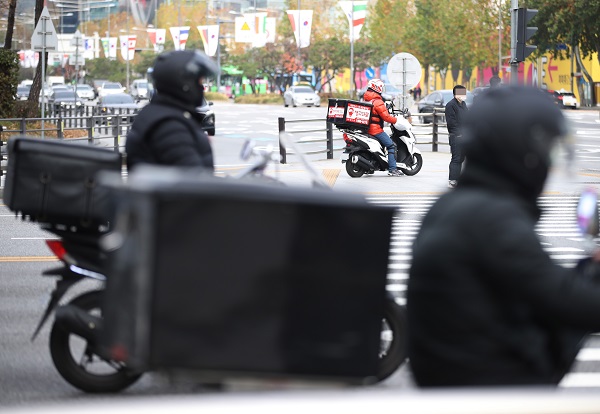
168 130
486 304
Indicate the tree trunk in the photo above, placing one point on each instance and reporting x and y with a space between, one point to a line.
587 75
36 87
10 24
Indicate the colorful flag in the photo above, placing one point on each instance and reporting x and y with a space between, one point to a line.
270 26
109 45
180 36
128 46
355 11
301 21
244 31
157 37
210 38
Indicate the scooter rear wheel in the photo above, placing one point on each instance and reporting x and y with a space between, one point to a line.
87 371
354 170
393 339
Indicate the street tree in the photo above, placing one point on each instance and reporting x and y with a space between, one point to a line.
11 5
574 23
259 62
328 57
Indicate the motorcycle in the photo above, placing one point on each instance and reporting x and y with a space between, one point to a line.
364 154
74 342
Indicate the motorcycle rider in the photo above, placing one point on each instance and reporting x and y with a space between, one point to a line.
168 130
486 304
375 88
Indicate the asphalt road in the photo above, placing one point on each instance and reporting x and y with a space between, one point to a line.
27 374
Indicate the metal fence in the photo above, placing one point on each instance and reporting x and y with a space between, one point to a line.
421 129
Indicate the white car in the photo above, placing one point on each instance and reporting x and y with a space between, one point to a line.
110 88
301 96
86 92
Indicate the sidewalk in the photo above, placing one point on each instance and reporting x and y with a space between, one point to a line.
431 180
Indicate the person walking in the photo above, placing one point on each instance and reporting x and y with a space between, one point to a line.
486 304
375 88
455 111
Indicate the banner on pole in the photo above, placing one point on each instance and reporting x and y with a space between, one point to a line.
128 46
301 21
180 36
210 38
356 12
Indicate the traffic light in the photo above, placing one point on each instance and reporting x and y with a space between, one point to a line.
524 33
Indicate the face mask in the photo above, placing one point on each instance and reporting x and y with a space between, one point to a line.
461 98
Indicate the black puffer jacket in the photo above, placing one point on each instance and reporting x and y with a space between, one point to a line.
168 133
486 304
455 112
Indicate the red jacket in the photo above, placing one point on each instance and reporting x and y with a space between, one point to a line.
379 113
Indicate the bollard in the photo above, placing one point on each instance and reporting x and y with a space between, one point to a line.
59 126
435 137
329 140
90 129
282 150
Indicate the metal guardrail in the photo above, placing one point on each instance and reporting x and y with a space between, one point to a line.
437 122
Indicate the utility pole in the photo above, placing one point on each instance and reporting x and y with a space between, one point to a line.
514 64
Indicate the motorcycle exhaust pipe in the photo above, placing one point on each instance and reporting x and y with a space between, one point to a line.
362 162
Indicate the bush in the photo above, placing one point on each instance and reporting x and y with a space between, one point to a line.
266 98
215 96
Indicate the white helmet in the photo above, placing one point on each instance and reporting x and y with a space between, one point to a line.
376 85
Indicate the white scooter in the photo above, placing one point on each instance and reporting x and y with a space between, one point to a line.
364 154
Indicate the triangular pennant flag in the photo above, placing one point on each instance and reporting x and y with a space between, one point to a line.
128 46
210 38
180 36
356 12
301 21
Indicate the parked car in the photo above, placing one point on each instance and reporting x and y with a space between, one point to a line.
438 99
23 92
139 89
118 103
97 85
62 100
301 96
86 92
565 99
208 121
110 88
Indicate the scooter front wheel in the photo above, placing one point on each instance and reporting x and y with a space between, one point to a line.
416 166
76 361
354 170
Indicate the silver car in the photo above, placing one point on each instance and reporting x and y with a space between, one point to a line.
301 96
86 92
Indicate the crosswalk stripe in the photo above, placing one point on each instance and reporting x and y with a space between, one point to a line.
558 220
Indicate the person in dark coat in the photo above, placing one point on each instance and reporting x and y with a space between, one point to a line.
455 111
168 130
486 304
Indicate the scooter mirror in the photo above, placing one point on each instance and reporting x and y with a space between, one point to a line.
247 149
587 212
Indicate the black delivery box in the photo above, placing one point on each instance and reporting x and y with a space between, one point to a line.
55 181
235 279
344 113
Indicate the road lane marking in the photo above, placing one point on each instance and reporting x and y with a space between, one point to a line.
17 259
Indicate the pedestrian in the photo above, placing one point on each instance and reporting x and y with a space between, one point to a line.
495 81
486 304
455 110
375 87
168 131
417 93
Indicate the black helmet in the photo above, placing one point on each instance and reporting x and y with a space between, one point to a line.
178 73
510 134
